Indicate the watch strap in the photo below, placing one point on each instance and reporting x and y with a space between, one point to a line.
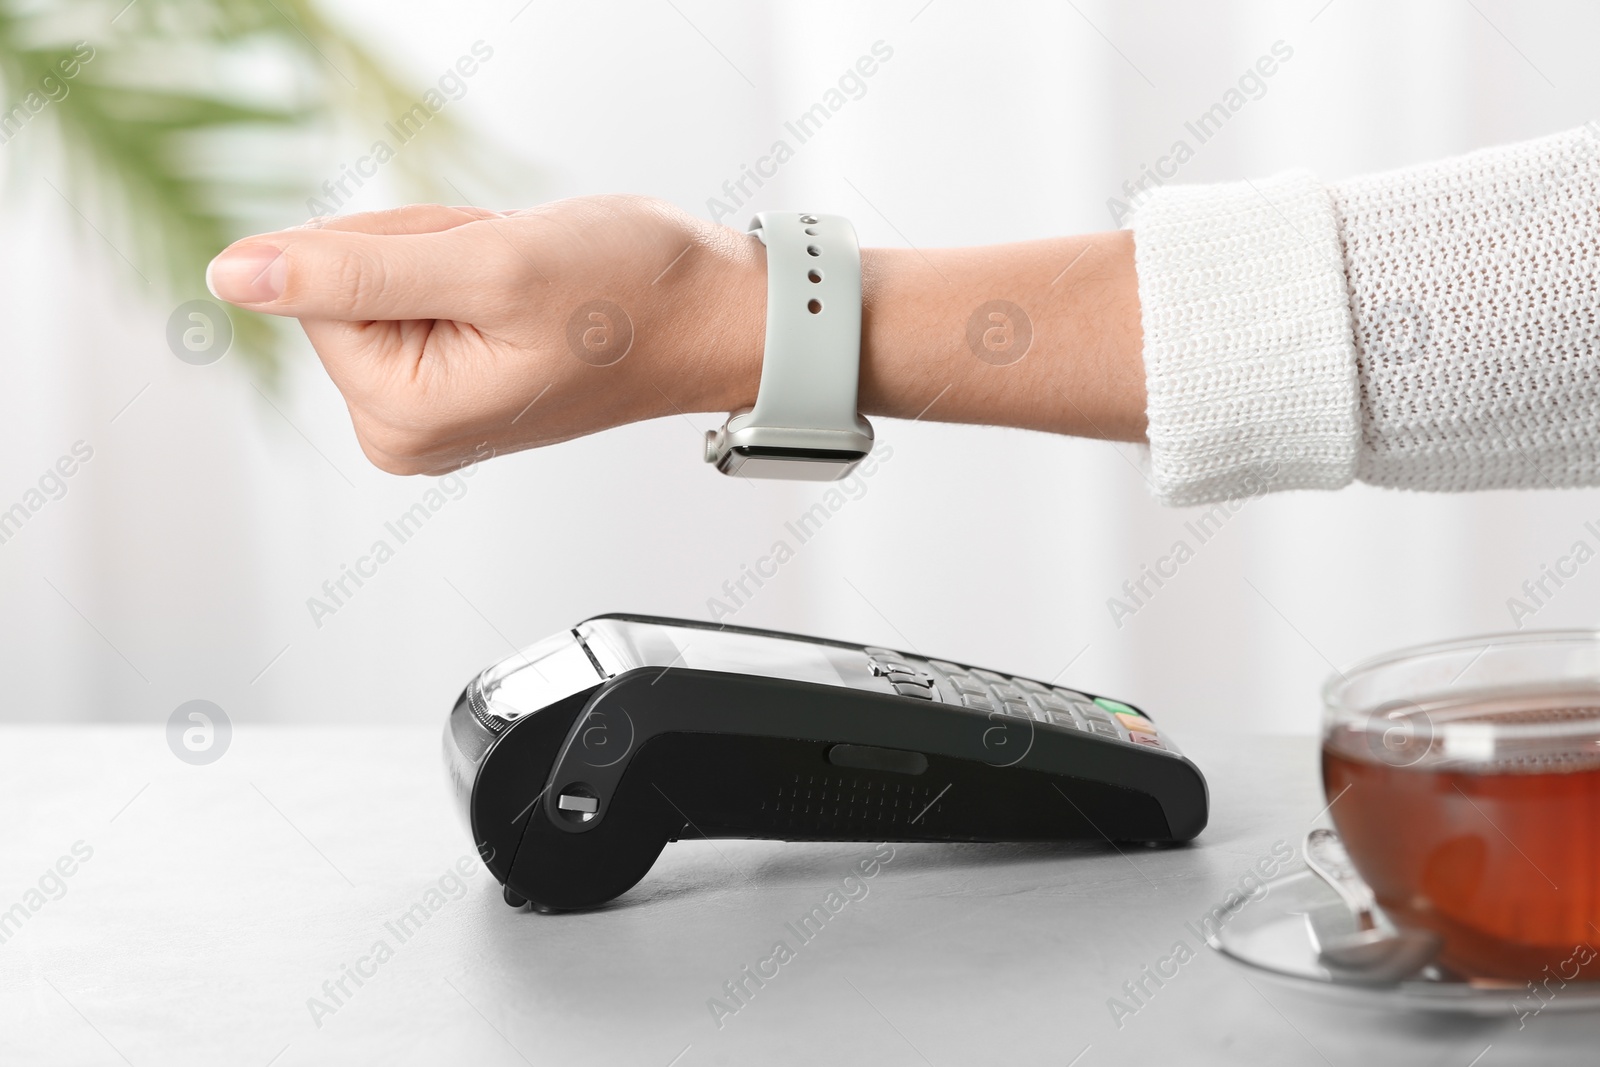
811 369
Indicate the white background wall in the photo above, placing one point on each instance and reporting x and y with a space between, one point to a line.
179 563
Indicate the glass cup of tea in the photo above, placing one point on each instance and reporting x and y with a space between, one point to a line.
1464 780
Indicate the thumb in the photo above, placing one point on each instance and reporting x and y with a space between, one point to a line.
358 277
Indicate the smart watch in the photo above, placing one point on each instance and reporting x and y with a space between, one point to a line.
804 424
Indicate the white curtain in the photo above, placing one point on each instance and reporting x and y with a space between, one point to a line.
179 561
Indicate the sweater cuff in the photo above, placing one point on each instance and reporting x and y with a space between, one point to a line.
1249 355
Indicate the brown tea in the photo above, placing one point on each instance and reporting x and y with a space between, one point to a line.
1491 838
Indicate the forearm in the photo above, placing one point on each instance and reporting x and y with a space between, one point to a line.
1080 372
1040 335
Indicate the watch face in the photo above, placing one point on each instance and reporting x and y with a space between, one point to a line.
805 465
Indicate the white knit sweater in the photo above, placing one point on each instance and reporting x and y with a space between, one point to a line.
1431 328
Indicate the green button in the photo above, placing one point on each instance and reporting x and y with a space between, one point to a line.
1117 706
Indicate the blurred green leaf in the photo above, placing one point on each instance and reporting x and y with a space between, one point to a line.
187 124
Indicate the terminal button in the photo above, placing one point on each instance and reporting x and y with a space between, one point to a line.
580 804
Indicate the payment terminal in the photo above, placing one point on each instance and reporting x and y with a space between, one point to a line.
577 760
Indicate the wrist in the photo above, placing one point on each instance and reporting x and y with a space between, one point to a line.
894 288
721 295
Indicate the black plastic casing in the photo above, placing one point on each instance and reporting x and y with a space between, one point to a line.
715 755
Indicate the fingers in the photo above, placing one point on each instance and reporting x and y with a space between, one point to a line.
331 273
404 425
358 356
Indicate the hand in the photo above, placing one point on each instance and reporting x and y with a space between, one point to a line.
457 332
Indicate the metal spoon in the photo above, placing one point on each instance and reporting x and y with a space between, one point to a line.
1374 951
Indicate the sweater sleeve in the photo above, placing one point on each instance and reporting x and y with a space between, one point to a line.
1432 328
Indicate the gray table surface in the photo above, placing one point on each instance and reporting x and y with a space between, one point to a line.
216 901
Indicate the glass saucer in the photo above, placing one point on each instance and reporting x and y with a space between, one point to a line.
1271 937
